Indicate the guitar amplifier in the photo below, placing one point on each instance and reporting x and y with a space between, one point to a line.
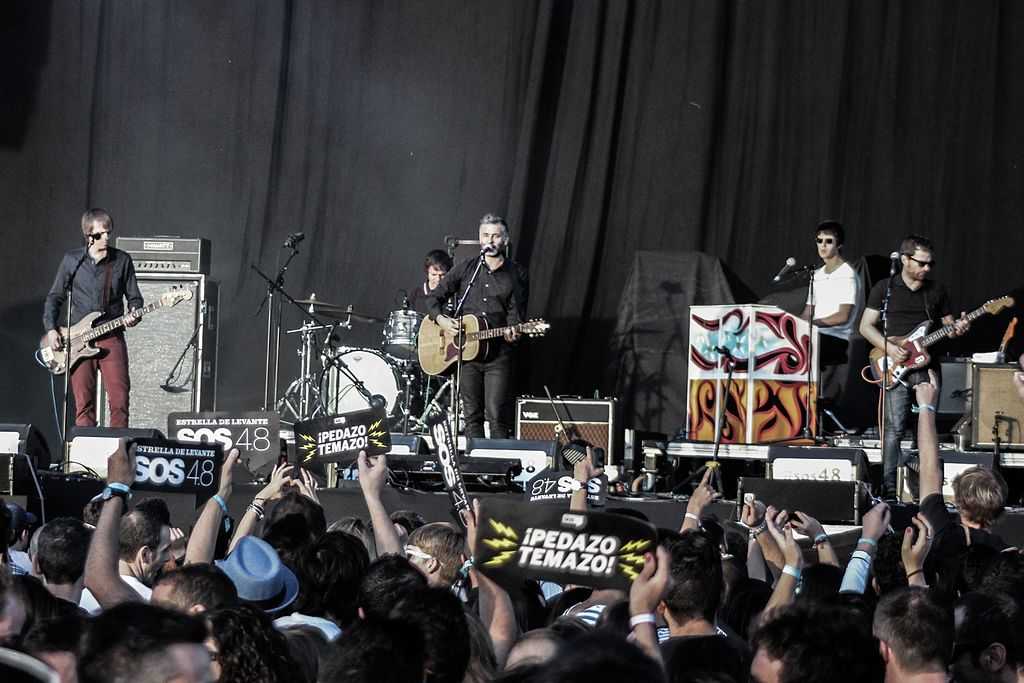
996 408
167 254
596 419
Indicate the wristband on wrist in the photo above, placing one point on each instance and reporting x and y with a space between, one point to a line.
220 501
690 515
916 571
118 486
924 407
821 539
792 571
759 530
258 509
870 541
646 618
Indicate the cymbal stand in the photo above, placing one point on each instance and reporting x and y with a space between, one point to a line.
306 385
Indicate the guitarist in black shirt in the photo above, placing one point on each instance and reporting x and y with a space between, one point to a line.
913 299
106 277
498 298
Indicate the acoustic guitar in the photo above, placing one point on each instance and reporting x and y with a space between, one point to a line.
917 342
438 350
85 331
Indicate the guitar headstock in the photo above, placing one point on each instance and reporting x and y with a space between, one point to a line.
996 305
173 297
535 328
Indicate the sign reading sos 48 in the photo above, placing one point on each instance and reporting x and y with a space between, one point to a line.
254 434
163 465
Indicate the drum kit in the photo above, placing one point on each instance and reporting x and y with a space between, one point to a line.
325 385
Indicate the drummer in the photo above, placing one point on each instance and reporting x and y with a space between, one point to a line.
436 264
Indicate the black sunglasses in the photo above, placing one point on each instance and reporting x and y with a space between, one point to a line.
825 240
929 264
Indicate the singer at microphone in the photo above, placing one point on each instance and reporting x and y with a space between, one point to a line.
498 298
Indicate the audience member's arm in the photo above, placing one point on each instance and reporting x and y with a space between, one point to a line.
915 551
496 611
875 522
372 477
583 472
203 541
928 440
255 511
101 564
785 587
812 528
703 495
649 589
770 549
752 517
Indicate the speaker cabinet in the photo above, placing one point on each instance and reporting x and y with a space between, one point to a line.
187 332
996 408
596 420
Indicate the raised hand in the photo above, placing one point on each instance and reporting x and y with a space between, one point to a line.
753 513
372 474
914 551
307 485
121 464
806 524
649 588
278 478
703 495
782 532
876 522
227 474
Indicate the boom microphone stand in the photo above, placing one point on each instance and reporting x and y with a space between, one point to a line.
274 323
460 342
884 385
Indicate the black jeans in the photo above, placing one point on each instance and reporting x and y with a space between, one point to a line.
486 389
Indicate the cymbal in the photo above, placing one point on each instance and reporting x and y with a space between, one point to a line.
337 311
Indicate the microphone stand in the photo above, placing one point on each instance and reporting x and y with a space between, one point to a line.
812 411
884 424
459 343
274 326
175 389
69 288
372 400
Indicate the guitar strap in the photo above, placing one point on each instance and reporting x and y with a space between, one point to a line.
106 286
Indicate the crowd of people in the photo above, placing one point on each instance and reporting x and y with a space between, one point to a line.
285 594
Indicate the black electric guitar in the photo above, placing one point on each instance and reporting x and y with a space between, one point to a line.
84 332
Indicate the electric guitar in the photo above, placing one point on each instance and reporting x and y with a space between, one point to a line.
84 332
437 349
917 342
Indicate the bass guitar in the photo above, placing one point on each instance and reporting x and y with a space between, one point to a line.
437 349
917 342
85 331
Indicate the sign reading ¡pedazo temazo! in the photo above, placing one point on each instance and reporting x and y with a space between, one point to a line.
595 549
341 437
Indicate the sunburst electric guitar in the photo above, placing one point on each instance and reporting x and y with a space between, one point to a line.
84 332
437 350
917 342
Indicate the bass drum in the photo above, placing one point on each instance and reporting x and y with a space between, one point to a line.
373 369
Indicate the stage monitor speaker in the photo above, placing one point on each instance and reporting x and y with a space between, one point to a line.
26 446
187 332
996 407
596 419
817 463
840 502
91 446
536 456
953 464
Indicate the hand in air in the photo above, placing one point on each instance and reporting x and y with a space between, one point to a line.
373 473
927 394
914 551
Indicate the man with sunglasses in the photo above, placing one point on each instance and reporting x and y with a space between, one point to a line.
105 279
833 304
913 298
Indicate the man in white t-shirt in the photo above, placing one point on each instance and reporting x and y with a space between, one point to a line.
145 543
834 304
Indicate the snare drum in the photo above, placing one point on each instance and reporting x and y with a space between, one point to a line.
400 333
376 371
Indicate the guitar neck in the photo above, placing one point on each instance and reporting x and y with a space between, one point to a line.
492 333
946 330
117 323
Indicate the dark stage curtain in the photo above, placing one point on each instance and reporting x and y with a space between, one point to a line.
598 128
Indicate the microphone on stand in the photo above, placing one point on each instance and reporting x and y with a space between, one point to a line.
790 264
894 260
294 238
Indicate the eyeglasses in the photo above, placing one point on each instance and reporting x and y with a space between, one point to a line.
923 264
97 235
412 551
825 240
